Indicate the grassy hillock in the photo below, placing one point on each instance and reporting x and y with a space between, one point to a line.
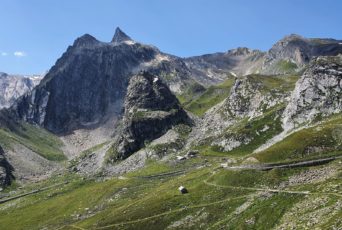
210 97
271 84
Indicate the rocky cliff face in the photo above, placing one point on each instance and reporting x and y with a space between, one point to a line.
14 86
245 98
86 85
5 170
150 110
318 93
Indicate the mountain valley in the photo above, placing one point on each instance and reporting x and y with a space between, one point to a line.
107 136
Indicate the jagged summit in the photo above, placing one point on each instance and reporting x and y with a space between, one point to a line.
120 36
313 41
85 40
241 51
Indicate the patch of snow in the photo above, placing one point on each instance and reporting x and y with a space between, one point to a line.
129 42
155 79
234 74
154 62
161 57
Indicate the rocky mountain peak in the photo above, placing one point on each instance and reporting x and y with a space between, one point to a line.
292 37
85 40
120 36
300 50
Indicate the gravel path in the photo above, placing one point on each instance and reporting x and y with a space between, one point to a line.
287 165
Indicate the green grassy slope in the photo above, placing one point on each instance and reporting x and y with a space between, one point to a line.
217 199
34 138
210 97
324 139
281 83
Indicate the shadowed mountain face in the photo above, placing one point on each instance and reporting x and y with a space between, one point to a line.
88 83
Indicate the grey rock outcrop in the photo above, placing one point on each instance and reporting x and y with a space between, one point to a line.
14 86
250 97
5 170
150 111
245 98
318 93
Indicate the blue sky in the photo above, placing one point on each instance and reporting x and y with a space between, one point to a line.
33 34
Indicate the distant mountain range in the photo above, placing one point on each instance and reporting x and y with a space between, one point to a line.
14 86
289 55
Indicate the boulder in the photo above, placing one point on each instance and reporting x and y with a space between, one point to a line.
6 169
